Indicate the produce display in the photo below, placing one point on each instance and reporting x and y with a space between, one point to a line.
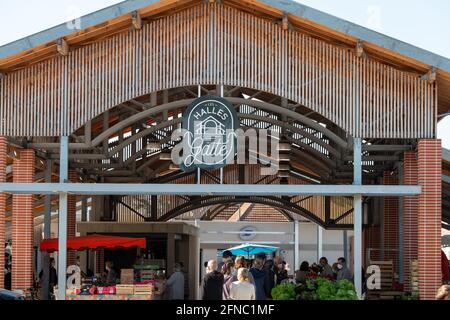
284 291
315 289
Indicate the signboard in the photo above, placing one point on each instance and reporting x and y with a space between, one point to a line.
209 138
247 233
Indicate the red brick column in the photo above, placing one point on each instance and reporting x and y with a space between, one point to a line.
22 224
390 221
410 216
71 217
430 215
3 150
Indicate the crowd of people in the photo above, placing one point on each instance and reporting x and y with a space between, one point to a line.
338 271
242 279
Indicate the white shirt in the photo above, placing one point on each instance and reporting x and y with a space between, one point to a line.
242 291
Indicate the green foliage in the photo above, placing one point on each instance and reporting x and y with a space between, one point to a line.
284 291
324 289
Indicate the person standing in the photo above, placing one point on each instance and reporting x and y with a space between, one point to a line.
343 271
227 271
303 273
327 272
240 262
111 275
259 275
269 281
52 275
212 282
242 289
227 256
175 284
280 270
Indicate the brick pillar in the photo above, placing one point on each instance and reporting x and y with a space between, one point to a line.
71 217
430 215
390 222
22 224
3 150
410 216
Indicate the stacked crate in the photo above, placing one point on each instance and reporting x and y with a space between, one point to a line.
147 274
386 291
147 289
124 289
414 276
126 276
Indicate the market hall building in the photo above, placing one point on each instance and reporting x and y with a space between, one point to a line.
87 110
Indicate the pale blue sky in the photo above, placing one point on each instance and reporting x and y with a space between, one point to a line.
425 24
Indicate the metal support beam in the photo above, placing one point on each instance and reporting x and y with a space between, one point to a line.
88 133
327 210
62 225
209 189
296 245
357 254
154 208
105 129
319 243
47 230
84 206
357 218
345 244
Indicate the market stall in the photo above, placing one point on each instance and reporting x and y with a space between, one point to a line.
143 281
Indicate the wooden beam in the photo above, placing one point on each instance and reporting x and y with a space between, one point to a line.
285 21
359 49
136 20
430 76
62 47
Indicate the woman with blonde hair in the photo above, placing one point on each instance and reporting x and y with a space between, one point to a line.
240 262
242 289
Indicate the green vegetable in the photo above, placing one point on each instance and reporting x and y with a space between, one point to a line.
324 289
284 291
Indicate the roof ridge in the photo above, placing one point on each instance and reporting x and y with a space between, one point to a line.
289 6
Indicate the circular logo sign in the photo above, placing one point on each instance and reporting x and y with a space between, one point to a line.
247 233
209 136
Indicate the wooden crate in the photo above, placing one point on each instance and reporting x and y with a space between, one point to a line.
126 276
144 289
124 289
147 274
414 276
387 273
383 295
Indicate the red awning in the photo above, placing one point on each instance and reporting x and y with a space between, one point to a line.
94 242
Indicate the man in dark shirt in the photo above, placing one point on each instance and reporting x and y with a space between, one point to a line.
52 275
212 282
